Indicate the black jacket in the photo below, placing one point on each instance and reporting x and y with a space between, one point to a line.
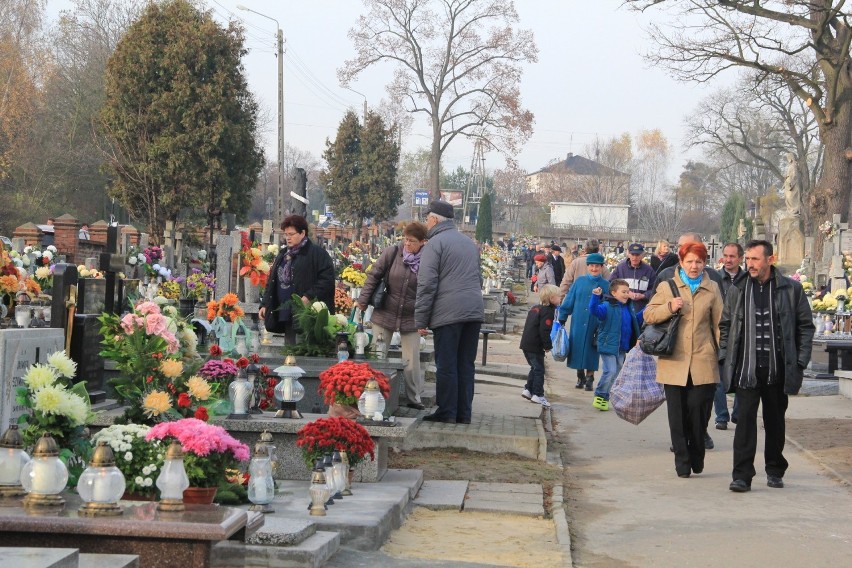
313 276
659 264
536 336
796 333
726 283
558 264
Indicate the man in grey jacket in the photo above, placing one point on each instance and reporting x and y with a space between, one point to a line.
449 302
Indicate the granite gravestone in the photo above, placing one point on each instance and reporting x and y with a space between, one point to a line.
19 349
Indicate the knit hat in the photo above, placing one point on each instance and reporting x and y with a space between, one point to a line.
594 258
540 258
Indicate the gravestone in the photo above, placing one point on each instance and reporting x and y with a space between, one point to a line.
224 253
91 296
85 351
791 241
64 291
19 349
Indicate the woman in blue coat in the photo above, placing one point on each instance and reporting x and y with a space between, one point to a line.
583 356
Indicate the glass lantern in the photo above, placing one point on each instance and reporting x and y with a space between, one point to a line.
347 490
44 477
172 480
341 472
361 341
13 458
239 393
318 490
371 403
261 488
23 315
328 470
342 346
255 377
240 344
101 485
289 391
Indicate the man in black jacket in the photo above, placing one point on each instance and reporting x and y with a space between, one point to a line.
730 273
765 340
557 262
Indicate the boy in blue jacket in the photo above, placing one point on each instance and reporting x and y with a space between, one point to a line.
618 332
535 342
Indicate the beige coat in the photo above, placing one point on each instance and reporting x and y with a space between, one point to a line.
697 343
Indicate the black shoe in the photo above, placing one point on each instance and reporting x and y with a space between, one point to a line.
671 449
708 442
590 383
436 418
683 475
416 406
721 425
697 470
581 382
462 420
739 486
734 419
775 482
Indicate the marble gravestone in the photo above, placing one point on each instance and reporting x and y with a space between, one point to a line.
19 349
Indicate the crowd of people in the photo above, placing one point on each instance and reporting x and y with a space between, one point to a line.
745 329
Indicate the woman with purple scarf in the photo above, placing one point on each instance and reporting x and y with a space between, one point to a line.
398 264
301 268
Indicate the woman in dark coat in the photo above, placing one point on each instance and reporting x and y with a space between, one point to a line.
400 263
301 268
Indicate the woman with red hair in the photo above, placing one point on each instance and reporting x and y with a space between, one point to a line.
690 374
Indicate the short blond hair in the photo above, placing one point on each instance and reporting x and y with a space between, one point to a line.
547 292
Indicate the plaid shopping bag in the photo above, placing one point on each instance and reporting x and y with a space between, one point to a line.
635 394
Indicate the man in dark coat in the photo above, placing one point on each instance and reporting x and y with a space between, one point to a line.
765 339
557 262
731 273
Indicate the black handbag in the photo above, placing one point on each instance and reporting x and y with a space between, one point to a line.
380 292
659 338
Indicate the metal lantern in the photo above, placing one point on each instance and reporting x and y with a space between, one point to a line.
371 403
261 489
44 477
341 472
239 393
318 490
12 461
361 341
265 444
172 480
101 485
289 391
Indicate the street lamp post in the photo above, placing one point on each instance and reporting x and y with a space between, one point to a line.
280 36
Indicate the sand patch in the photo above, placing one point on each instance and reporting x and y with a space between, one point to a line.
502 540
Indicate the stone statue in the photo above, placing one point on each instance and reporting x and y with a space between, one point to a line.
792 187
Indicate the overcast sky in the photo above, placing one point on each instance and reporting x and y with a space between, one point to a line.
590 80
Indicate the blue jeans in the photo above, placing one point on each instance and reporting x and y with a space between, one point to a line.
611 366
455 356
535 378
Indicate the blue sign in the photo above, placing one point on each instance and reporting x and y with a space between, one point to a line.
421 197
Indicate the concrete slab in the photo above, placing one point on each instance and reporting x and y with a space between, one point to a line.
523 488
313 552
439 495
32 557
108 561
504 507
411 478
282 531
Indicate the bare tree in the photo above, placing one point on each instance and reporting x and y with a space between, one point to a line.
458 62
510 187
711 36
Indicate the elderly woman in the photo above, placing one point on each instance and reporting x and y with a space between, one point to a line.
301 268
543 272
689 375
663 257
399 266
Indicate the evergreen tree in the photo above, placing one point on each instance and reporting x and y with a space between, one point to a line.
360 179
483 220
180 121
734 210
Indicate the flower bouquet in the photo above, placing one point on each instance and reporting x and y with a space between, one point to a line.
342 384
138 459
196 285
318 329
208 450
326 435
342 301
353 277
226 308
255 267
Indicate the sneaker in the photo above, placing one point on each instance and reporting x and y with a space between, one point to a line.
600 403
526 394
540 400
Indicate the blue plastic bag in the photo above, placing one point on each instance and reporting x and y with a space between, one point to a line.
559 339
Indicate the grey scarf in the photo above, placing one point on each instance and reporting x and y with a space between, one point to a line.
744 376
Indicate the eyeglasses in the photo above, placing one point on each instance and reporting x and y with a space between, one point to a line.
288 235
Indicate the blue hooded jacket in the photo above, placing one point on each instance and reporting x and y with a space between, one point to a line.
620 326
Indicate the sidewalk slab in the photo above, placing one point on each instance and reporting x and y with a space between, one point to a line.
526 509
439 495
523 488
88 560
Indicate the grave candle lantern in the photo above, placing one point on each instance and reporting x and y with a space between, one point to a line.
101 485
239 393
172 480
361 341
44 477
289 390
318 490
371 403
261 489
12 461
341 472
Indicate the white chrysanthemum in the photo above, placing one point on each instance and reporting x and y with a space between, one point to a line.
51 248
49 399
132 261
48 254
148 482
28 249
141 258
128 456
74 408
40 376
63 364
139 481
263 267
42 272
341 320
146 470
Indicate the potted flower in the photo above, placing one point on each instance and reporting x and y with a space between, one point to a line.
208 452
139 460
326 435
343 383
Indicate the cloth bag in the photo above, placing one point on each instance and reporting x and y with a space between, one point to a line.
659 338
635 394
559 339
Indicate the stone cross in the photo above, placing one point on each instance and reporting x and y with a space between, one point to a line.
111 263
713 246
224 254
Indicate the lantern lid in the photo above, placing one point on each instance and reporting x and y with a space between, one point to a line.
266 436
12 438
102 456
372 384
290 360
291 371
46 447
175 451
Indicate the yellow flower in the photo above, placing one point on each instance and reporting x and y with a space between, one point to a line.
39 376
156 403
48 399
198 388
171 368
63 364
42 272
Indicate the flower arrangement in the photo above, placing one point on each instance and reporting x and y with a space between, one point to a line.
227 308
208 450
489 260
44 276
255 267
196 285
326 435
344 382
318 328
169 290
828 230
353 276
138 459
342 301
84 272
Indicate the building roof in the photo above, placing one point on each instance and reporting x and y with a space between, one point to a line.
581 166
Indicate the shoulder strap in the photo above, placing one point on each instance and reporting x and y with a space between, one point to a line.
673 287
393 259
